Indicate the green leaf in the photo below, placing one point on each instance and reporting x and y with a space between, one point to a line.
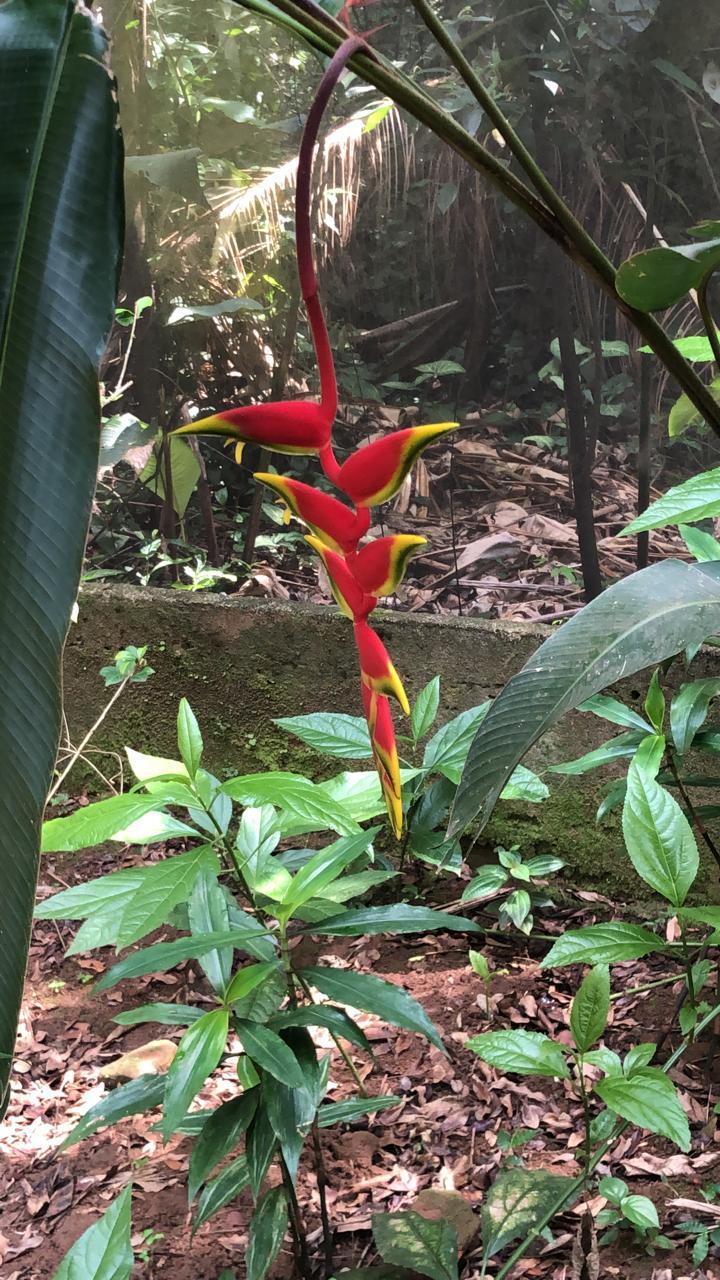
655 279
544 864
247 979
613 1189
172 1015
425 1245
655 703
149 768
703 915
60 251
385 999
590 1008
516 1202
488 882
325 867
525 785
296 796
696 349
260 1148
162 887
184 470
701 545
95 823
425 709
658 837
689 710
322 1015
625 744
355 885
398 918
271 1053
638 622
198 1054
267 1231
695 499
528 1053
83 900
164 955
359 794
517 906
104 1251
175 170
190 743
649 756
292 1110
226 1187
219 1135
265 1000
647 1099
332 733
446 751
141 1094
639 1056
332 1113
641 1212
208 913
602 944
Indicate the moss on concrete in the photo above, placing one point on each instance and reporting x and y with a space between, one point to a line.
244 663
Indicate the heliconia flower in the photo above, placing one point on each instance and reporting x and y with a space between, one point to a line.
375 472
331 521
380 566
376 669
384 749
350 597
292 426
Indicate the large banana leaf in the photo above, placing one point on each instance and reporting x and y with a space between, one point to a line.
637 622
60 245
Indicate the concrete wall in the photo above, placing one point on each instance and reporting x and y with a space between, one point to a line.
242 663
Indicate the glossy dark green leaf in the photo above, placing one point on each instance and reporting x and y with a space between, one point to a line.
219 1135
104 1251
619 748
590 1008
142 1094
292 1110
689 709
648 1099
172 1015
398 918
247 979
658 837
226 1187
260 1148
636 623
267 1231
323 1015
61 220
324 867
208 913
164 955
385 999
447 749
528 1053
428 1246
198 1054
331 1113
488 881
655 279
269 1052
695 499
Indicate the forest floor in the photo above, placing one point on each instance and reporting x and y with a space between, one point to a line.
447 1132
500 525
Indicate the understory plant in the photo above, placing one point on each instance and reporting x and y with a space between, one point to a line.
233 892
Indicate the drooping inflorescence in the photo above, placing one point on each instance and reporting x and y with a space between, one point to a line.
360 573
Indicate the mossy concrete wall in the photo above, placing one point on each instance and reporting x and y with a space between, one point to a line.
243 663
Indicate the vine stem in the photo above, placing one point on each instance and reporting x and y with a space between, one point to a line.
699 826
707 317
576 1184
77 751
325 34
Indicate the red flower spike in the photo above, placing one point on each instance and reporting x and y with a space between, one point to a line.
380 566
375 472
288 427
331 521
382 739
376 669
351 599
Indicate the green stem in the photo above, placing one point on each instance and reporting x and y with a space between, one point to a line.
576 1184
707 317
338 1044
587 1118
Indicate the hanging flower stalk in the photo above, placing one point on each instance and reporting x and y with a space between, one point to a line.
360 575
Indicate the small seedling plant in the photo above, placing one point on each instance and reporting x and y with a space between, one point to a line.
239 903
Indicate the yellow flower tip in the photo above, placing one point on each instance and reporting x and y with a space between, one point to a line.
398 689
212 425
239 451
